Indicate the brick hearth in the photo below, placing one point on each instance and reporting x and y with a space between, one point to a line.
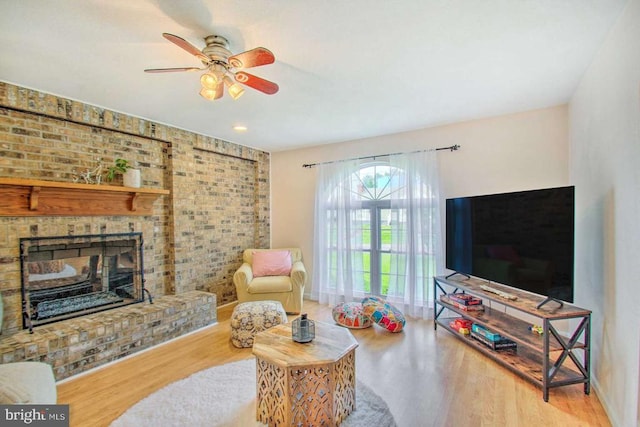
76 345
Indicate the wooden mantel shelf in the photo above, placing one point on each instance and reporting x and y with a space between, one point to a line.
30 197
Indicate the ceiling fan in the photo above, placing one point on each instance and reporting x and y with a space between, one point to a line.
221 66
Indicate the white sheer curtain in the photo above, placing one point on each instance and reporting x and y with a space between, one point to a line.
416 241
337 266
409 195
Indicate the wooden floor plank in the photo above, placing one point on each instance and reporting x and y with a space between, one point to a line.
427 378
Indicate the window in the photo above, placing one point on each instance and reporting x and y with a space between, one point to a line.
377 230
371 226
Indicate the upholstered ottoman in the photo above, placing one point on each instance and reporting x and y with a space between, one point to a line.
383 313
249 318
351 315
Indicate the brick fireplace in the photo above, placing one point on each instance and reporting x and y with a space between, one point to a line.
212 202
70 276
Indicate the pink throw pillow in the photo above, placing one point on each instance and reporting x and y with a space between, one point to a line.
271 263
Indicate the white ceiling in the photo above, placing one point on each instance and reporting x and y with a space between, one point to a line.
347 69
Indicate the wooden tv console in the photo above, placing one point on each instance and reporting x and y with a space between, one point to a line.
547 360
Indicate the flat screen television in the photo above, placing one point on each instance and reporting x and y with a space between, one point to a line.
522 239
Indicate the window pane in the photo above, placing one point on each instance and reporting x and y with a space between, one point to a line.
361 267
393 270
361 234
375 182
366 267
385 229
359 257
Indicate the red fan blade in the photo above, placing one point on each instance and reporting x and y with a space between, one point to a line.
252 58
172 70
180 42
256 82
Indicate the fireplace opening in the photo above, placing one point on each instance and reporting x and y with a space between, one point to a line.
70 276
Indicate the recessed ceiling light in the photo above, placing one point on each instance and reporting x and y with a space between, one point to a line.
240 128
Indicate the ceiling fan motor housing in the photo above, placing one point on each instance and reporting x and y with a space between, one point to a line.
217 48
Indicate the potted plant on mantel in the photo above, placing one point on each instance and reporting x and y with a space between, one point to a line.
130 174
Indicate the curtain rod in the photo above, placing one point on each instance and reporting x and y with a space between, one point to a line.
450 148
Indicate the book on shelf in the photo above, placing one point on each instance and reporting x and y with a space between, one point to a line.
463 323
502 344
475 307
486 332
459 328
465 299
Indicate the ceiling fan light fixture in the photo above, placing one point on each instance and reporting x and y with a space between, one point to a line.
208 94
210 81
235 90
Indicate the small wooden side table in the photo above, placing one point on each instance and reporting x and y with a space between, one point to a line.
312 384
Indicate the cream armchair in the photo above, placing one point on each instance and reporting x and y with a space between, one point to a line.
286 289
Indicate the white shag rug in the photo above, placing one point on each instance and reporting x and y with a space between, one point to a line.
225 396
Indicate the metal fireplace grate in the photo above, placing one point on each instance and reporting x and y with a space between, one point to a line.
60 307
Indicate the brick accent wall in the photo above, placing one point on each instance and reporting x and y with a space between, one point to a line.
219 201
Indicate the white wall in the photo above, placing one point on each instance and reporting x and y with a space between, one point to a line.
508 153
605 163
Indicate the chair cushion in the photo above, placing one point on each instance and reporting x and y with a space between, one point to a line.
249 318
350 314
269 284
271 263
383 314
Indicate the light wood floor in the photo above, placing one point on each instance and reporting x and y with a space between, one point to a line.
427 378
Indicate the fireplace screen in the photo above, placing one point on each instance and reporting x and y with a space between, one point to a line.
69 276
